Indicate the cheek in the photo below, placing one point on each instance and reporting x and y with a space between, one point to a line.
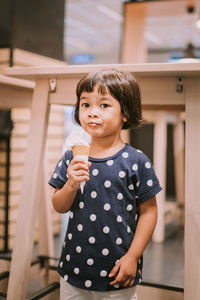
82 117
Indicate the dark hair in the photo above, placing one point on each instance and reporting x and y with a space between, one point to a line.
121 85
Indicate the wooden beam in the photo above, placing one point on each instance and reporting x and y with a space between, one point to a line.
22 253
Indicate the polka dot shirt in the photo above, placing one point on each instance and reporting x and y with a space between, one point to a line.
103 219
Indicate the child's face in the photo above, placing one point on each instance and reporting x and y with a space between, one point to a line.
100 115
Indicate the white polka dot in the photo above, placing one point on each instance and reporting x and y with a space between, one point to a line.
65 277
69 236
138 184
131 187
139 261
119 219
117 261
71 215
95 172
64 244
60 163
125 154
139 151
135 167
118 241
76 271
107 206
106 229
66 175
81 205
129 207
93 194
103 273
67 162
78 249
61 264
110 162
91 240
68 257
140 280
88 283
119 196
149 182
55 175
93 217
128 229
107 183
80 227
122 174
148 165
136 217
116 285
90 261
105 251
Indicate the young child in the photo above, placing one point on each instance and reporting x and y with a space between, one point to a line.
111 223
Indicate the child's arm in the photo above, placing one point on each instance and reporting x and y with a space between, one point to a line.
125 270
63 198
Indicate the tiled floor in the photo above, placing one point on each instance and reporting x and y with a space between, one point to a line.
164 263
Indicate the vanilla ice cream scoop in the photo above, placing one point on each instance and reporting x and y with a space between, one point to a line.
80 148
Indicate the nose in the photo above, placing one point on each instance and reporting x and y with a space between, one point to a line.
93 112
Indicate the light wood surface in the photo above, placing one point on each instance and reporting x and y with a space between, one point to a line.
155 70
163 79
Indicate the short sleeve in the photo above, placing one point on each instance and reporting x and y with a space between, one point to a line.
59 176
147 184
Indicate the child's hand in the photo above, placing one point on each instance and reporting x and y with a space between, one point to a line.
78 171
124 271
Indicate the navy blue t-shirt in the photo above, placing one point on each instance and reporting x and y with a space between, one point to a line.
103 219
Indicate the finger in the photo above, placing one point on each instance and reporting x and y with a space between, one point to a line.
114 271
118 279
80 165
79 176
77 160
127 282
132 282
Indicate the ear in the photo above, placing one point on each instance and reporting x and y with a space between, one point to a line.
124 119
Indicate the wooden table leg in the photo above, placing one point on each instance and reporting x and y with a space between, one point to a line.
179 151
22 252
192 190
159 160
45 228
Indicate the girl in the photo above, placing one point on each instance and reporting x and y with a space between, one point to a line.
111 223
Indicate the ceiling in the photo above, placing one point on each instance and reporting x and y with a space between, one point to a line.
94 28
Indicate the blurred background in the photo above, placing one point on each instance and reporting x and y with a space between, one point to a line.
92 31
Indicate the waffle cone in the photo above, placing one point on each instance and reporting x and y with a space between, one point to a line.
80 150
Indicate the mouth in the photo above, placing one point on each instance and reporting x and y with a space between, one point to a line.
93 123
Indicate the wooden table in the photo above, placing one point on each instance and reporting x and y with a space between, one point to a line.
174 86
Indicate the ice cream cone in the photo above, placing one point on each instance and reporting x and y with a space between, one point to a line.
81 151
80 148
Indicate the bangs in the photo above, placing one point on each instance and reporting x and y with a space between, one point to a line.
88 84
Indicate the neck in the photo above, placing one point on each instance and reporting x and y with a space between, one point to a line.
103 147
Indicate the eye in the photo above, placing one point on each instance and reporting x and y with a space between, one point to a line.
104 105
85 104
